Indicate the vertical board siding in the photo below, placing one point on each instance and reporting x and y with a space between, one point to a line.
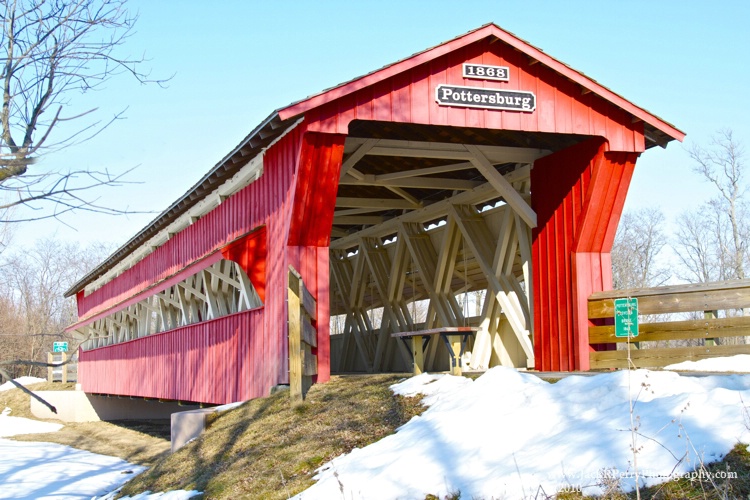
410 98
323 351
318 180
215 362
313 265
578 196
560 183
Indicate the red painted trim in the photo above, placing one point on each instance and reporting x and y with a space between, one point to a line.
315 192
251 253
323 350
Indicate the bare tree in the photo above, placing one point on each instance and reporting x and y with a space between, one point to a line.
34 312
52 50
722 165
640 239
701 245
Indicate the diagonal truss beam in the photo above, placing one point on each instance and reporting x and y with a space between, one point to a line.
505 188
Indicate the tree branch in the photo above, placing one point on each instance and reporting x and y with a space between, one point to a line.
24 389
52 50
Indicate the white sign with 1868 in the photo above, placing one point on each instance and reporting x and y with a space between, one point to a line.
486 72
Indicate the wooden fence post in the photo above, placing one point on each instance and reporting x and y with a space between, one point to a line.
710 315
64 368
50 373
302 337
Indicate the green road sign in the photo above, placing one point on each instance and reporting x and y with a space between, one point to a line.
59 347
626 317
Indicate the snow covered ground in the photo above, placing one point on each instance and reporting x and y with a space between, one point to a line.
36 471
47 471
505 435
508 434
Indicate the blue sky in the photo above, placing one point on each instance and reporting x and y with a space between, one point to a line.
237 61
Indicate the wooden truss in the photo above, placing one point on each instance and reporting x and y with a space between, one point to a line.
218 290
430 257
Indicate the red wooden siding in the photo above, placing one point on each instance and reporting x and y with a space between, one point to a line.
492 34
410 98
310 229
578 194
266 202
286 202
218 361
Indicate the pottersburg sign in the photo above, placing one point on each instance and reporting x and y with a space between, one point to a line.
477 97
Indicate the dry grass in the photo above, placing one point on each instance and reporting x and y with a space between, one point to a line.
140 442
737 460
269 449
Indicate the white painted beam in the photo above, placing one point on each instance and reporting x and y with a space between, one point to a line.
453 167
412 182
508 192
357 155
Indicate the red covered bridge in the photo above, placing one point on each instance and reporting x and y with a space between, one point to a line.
479 164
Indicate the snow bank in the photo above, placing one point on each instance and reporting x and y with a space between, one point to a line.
21 380
508 433
735 364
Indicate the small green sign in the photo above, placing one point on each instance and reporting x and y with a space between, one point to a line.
626 317
59 347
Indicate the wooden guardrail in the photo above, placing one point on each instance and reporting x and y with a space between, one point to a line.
303 364
710 333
